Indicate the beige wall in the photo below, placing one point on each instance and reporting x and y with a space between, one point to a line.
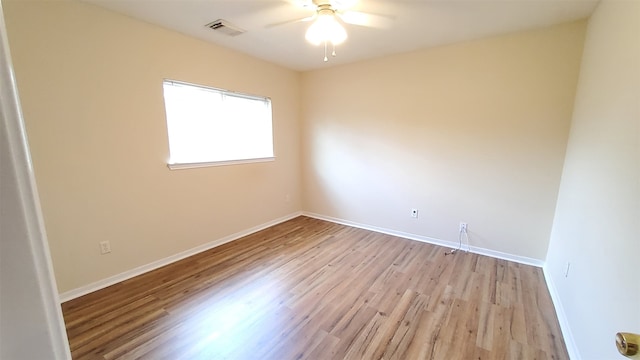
90 82
598 213
473 132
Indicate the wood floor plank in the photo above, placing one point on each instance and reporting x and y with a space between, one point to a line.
405 332
311 289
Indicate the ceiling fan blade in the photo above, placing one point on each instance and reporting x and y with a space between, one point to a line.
304 19
366 19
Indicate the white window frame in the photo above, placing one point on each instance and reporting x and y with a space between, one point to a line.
173 117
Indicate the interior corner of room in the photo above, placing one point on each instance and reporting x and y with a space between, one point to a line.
531 139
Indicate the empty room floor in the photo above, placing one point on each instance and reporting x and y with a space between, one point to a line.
311 289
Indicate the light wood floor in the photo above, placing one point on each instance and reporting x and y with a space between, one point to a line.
309 289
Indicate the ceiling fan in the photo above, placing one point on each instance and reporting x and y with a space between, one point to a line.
329 14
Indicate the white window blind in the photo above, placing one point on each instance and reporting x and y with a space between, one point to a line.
213 126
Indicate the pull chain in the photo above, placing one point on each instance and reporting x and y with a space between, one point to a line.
325 52
333 52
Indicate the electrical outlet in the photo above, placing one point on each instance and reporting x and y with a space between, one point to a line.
463 227
414 213
105 247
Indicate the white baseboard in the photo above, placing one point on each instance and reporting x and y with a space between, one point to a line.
72 294
562 319
569 341
450 244
506 256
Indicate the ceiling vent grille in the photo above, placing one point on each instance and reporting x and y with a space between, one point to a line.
225 27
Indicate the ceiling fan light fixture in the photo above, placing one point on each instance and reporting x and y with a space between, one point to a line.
326 29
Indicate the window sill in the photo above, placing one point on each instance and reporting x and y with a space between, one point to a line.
181 166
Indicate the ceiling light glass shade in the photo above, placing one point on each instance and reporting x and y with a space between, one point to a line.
326 29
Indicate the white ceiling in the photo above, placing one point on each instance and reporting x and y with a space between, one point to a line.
412 25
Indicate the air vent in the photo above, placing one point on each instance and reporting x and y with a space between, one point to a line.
225 27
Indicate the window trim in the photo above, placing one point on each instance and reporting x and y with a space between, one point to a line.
195 165
234 93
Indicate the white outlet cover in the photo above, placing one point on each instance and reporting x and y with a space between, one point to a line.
105 247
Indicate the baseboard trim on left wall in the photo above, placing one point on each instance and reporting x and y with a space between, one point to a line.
75 293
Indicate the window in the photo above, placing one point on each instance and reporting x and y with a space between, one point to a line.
209 126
